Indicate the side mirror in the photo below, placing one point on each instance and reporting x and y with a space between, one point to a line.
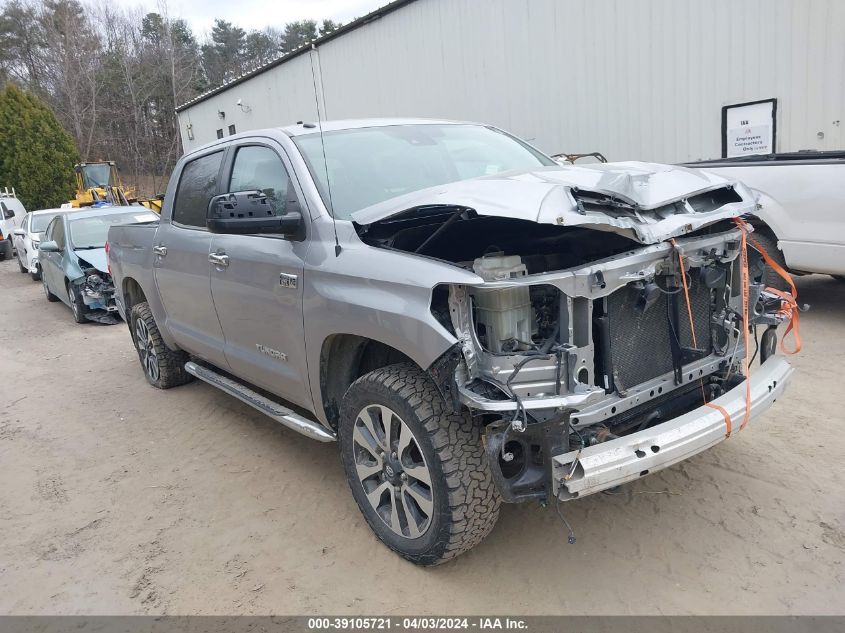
250 213
19 232
49 247
10 213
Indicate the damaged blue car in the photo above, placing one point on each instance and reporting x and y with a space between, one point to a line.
74 264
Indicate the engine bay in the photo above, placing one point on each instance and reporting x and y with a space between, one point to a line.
601 349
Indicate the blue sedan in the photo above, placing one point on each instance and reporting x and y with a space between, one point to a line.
73 261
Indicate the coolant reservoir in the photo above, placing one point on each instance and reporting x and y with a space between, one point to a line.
503 316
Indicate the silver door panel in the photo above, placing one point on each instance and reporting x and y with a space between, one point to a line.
183 279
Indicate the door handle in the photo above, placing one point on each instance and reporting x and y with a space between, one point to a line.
219 259
161 251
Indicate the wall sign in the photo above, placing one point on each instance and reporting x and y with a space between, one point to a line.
749 128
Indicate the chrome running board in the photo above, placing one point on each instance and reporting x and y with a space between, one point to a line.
267 406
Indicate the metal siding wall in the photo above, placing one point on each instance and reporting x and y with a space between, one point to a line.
634 79
278 97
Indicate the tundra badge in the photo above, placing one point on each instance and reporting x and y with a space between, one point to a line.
272 353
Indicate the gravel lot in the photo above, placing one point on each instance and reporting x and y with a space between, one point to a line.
118 498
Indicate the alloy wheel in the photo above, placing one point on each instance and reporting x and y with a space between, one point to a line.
393 471
74 305
146 350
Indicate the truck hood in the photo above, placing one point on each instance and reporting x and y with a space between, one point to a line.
647 202
96 257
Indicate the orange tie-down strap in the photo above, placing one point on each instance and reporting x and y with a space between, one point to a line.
682 266
789 300
789 309
725 414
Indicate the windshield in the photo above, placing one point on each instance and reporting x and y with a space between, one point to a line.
369 165
97 175
93 232
39 222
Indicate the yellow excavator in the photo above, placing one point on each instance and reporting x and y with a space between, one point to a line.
98 183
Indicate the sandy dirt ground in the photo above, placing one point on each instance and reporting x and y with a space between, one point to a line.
116 498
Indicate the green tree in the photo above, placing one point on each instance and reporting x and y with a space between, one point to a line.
224 58
260 48
24 43
36 153
298 34
328 26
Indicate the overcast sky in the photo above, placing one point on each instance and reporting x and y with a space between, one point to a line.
256 14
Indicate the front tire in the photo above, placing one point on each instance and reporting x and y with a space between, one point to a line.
21 267
163 367
769 242
417 470
36 276
77 305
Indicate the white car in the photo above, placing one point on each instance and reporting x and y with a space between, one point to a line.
12 214
801 206
29 235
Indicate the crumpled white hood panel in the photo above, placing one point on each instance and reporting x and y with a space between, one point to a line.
544 196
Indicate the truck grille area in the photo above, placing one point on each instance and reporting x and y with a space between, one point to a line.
640 347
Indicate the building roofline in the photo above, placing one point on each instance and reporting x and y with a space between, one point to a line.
355 24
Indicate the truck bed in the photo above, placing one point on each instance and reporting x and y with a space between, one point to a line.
131 257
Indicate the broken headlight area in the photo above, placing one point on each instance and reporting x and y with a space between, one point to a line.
97 291
564 359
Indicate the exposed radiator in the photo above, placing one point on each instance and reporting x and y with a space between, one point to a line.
639 341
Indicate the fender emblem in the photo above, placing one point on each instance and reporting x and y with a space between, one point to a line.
287 281
272 353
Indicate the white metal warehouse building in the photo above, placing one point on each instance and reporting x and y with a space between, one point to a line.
634 79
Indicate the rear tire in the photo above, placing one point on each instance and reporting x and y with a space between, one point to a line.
423 485
163 367
6 249
769 242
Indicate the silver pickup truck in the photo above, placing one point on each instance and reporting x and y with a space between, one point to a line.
472 322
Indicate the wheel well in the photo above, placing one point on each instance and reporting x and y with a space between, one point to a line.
132 294
345 358
760 225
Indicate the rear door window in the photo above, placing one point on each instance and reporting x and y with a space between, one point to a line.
197 185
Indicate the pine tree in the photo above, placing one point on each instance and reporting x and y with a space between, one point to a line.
36 153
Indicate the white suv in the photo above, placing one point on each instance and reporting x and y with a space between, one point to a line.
12 214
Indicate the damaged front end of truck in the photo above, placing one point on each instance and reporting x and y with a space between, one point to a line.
609 330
